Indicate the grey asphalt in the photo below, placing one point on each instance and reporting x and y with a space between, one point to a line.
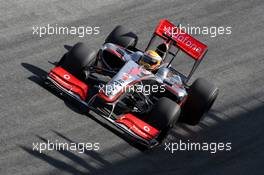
29 113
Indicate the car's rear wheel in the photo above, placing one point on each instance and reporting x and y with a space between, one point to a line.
201 96
79 57
122 37
163 116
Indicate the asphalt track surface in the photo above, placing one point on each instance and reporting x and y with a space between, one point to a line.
30 113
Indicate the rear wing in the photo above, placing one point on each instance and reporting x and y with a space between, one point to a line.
185 42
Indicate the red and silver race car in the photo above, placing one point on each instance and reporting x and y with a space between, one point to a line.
120 84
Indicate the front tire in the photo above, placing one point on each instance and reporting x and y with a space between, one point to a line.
201 96
79 57
163 116
122 37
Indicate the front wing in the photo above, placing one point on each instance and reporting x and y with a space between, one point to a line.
66 84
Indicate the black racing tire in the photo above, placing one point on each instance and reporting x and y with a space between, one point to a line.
163 116
201 97
122 37
79 57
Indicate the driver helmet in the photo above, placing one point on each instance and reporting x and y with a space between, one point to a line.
150 60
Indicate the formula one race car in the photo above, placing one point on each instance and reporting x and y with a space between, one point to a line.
139 92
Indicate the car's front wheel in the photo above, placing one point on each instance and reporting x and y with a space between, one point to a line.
79 57
163 116
122 37
201 96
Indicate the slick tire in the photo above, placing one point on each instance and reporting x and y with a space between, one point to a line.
164 115
79 57
201 96
122 37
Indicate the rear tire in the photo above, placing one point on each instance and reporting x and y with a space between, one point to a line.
201 96
163 116
122 37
